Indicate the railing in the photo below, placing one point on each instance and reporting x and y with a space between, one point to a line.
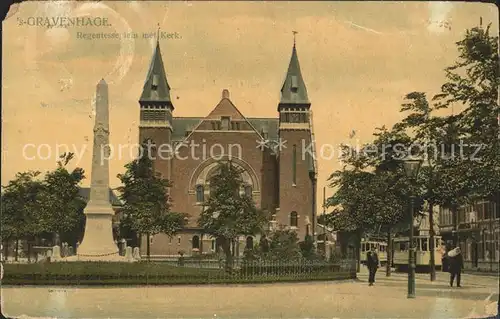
156 273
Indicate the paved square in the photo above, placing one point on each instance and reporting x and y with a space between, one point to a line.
343 299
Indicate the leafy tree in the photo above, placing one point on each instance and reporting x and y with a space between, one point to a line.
452 177
393 146
264 244
146 208
372 189
20 216
473 82
60 202
428 133
227 214
307 248
349 201
283 245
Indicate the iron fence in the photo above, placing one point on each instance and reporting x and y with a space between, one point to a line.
165 273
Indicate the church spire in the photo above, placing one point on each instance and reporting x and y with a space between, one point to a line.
156 87
293 91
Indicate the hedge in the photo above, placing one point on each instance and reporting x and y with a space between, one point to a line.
151 273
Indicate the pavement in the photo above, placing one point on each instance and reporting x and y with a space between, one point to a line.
338 299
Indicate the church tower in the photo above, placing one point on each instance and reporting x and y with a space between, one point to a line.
295 187
156 114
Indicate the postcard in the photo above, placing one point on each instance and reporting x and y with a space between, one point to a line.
192 159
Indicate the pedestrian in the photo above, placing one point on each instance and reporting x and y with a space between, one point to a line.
445 259
372 262
456 264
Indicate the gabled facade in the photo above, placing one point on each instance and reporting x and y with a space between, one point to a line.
276 177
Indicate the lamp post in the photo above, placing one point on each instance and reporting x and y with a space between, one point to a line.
411 170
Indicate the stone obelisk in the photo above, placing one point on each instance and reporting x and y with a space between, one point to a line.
98 243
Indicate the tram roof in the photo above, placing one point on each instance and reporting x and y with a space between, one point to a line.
414 237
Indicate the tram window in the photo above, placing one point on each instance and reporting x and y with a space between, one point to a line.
382 248
402 246
424 244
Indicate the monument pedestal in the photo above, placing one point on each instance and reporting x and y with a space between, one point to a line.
98 243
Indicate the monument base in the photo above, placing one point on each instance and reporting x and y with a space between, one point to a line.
109 258
98 243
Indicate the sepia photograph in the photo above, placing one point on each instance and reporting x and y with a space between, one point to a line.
250 159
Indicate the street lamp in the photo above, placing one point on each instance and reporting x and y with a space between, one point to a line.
411 167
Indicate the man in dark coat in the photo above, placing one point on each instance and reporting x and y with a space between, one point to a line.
456 264
372 263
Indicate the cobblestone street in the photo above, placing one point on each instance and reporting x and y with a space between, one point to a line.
344 299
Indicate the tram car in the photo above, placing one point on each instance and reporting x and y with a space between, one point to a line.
379 246
400 248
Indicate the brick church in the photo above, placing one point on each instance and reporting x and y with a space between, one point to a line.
269 151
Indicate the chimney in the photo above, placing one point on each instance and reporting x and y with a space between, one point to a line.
225 94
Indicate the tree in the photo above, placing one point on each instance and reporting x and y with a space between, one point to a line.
427 130
372 189
227 214
60 203
146 208
284 245
392 216
349 200
473 82
20 216
307 248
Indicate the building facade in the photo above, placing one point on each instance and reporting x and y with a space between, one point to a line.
475 229
274 154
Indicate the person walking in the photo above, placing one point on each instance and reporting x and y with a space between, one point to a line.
456 264
372 262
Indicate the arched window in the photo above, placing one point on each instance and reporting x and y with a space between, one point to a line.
294 220
249 243
196 242
200 193
248 191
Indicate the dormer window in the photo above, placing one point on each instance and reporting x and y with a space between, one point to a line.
295 83
225 123
154 85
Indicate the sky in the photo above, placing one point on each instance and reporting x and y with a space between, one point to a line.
358 60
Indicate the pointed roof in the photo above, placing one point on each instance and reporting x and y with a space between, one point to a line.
224 108
156 87
294 89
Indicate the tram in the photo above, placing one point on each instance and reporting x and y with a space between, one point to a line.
422 254
379 246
